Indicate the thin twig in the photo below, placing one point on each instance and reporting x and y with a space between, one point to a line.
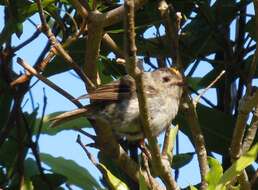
42 116
89 155
172 31
34 148
198 138
48 82
42 63
116 15
59 48
164 171
31 100
26 42
80 9
147 168
86 134
255 56
254 178
112 45
251 132
194 67
202 97
20 157
197 99
35 151
68 186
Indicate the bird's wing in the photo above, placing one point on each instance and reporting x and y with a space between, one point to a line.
68 116
123 88
116 90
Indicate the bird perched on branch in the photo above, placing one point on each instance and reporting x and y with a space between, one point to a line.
116 104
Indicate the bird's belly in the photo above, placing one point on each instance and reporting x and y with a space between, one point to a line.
124 118
162 113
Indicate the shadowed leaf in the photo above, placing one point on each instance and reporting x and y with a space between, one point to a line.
74 173
79 123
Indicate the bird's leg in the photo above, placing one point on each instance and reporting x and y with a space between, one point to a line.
144 149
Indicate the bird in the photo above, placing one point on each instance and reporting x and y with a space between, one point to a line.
116 104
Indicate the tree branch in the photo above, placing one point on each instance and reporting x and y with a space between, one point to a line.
172 28
163 169
48 82
116 15
246 105
59 48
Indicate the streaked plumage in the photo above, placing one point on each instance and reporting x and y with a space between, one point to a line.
116 104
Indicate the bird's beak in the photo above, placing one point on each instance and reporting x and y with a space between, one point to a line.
175 71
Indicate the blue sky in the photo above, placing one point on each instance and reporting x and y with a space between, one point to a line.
63 144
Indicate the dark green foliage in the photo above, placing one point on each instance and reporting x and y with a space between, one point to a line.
207 36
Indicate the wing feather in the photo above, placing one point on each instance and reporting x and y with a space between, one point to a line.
116 90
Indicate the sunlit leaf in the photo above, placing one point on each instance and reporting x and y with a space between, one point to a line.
238 166
142 183
114 168
214 174
192 187
172 138
114 182
27 185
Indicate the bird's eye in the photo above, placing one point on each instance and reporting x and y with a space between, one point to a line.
166 79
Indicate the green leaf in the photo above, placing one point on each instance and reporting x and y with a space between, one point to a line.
250 28
113 182
216 126
30 168
192 187
75 174
172 138
27 185
194 82
214 174
142 183
103 77
55 180
238 166
90 3
181 160
210 76
3 177
22 11
113 167
5 102
74 124
58 65
9 153
112 68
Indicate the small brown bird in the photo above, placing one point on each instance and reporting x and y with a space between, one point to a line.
116 104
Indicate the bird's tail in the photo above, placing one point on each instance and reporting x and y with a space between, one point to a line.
68 116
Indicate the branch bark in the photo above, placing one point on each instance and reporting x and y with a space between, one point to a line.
163 169
172 27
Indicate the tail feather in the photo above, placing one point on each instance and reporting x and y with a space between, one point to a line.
68 116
